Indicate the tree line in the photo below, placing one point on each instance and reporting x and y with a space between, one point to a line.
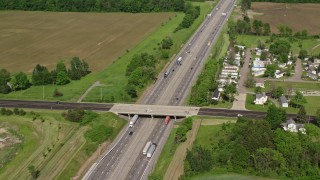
94 5
142 68
261 148
42 76
191 14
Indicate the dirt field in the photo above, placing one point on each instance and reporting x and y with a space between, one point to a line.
175 169
29 38
296 16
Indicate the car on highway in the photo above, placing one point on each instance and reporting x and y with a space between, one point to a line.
130 133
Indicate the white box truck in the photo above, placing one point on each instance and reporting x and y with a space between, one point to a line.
146 148
151 150
133 120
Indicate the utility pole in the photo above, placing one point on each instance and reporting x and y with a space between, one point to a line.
101 94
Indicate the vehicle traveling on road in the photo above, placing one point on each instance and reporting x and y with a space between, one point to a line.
133 120
151 150
166 74
146 148
179 60
167 120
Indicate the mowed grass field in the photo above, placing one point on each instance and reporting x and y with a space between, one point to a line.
311 45
297 16
30 38
57 148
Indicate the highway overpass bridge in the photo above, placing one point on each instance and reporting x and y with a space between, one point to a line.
154 110
140 109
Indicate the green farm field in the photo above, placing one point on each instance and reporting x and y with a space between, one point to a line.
56 147
30 38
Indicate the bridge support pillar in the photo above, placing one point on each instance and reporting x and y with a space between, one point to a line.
129 116
175 118
151 116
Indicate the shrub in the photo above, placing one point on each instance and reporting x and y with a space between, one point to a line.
74 115
56 93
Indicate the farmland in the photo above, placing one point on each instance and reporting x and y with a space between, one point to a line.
29 38
296 16
113 76
51 144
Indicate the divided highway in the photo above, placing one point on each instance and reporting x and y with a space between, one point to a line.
125 159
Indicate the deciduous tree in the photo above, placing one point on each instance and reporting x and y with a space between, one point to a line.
275 116
20 81
4 79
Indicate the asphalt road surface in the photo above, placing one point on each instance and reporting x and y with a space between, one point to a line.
54 105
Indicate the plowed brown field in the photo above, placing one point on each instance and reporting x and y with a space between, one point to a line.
29 38
296 16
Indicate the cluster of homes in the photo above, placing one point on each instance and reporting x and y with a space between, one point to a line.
259 65
262 98
312 68
230 72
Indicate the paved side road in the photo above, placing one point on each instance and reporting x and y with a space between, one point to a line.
95 84
240 100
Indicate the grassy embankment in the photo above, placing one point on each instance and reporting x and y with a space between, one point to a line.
170 146
114 77
53 145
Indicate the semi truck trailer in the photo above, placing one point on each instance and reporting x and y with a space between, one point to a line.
179 61
133 120
146 148
167 120
151 150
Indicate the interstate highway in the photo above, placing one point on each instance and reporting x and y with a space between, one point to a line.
129 163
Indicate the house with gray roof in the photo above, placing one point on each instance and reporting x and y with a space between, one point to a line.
292 126
283 101
261 98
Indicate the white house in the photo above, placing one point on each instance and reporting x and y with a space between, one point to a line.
258 64
232 67
312 75
240 47
283 101
282 65
259 72
291 126
289 62
278 74
260 83
261 98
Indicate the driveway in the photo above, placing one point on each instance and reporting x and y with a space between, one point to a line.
297 72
